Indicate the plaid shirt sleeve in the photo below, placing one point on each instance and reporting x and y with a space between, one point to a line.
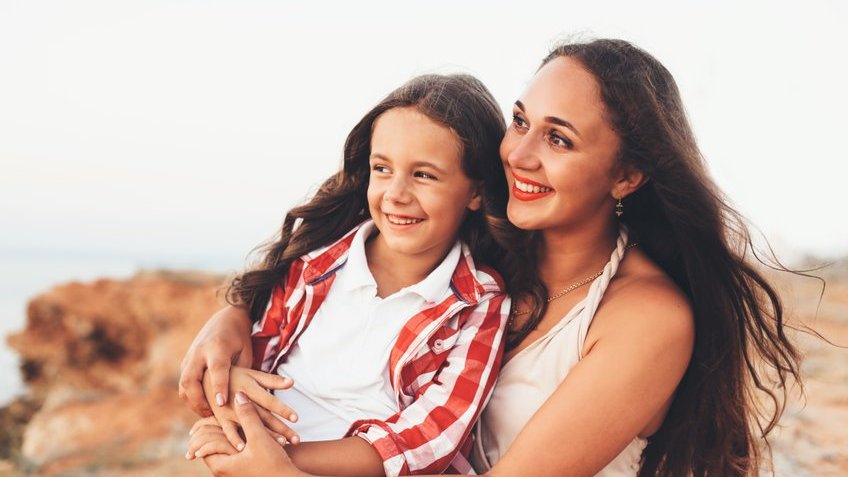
425 437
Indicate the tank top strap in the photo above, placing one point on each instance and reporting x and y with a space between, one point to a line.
599 286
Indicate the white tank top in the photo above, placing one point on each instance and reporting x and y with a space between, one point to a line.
531 376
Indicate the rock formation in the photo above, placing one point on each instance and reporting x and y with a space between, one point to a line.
103 359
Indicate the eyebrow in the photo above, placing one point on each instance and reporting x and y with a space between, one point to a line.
553 119
438 169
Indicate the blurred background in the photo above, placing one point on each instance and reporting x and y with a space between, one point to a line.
173 135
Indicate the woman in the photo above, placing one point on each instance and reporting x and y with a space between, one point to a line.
651 370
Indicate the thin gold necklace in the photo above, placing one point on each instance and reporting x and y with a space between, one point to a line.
570 288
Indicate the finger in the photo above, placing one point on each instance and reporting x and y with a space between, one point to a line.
231 430
202 436
281 439
271 381
219 374
249 418
273 423
191 389
206 421
215 447
270 402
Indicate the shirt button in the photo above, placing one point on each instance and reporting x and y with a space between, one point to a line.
438 344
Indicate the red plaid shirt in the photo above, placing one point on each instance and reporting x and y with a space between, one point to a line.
443 365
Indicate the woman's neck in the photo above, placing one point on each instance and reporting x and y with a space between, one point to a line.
570 255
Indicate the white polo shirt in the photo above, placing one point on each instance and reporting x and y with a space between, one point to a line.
340 364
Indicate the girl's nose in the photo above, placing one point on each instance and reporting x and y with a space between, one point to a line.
397 190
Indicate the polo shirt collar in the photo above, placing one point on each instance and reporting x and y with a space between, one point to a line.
356 274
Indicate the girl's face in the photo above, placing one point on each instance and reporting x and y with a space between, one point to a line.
559 152
418 193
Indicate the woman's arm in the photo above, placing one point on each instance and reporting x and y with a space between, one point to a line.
223 341
623 382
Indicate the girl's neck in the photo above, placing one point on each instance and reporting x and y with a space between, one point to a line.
393 270
570 255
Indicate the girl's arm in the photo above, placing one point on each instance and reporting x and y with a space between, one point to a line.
262 456
426 435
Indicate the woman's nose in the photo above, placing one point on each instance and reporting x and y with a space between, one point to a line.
521 152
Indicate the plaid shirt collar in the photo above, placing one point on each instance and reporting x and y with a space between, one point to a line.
322 263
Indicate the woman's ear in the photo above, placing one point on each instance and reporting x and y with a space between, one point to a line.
630 180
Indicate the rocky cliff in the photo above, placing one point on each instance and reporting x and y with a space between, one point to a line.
102 361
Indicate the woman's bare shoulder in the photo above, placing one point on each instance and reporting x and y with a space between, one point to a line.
643 299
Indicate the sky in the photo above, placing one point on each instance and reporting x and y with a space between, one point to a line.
181 131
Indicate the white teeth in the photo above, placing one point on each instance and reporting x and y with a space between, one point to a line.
401 221
533 189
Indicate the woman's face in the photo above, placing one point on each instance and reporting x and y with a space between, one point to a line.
559 152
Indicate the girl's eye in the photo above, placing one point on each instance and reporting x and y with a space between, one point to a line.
559 141
424 175
518 122
380 168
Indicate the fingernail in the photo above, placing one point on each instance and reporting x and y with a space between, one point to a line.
197 454
219 398
295 439
241 398
293 418
188 455
191 431
240 446
281 440
286 381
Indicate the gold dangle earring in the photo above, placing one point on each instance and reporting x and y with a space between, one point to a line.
619 208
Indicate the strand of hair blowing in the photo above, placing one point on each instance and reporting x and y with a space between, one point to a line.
716 424
303 231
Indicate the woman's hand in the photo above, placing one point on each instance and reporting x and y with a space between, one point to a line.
262 456
255 385
222 342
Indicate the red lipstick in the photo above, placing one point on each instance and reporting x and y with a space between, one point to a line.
528 196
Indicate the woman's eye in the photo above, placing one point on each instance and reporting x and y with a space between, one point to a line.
424 175
559 141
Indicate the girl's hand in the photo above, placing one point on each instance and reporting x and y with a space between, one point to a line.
207 428
208 438
261 456
255 385
223 341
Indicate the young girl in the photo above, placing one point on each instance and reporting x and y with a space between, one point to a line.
375 300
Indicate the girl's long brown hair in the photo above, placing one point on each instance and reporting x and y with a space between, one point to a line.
684 223
460 102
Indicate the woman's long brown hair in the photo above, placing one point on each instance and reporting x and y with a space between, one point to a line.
460 102
684 223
